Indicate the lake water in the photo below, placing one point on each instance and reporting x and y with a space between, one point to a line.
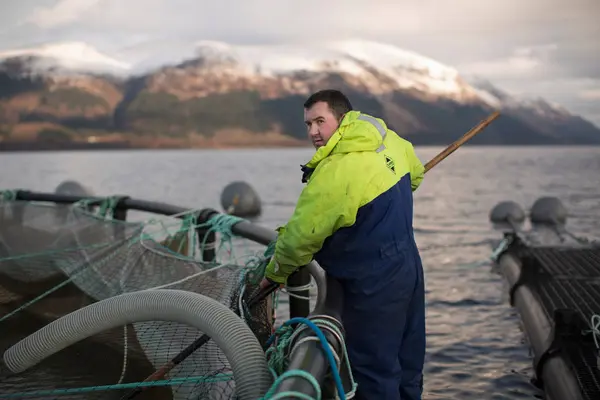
475 349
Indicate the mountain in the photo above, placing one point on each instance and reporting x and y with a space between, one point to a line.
224 95
552 120
68 58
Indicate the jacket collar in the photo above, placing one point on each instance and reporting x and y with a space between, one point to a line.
354 134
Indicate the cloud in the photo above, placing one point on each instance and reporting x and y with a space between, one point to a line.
461 21
537 71
590 94
524 61
526 45
61 13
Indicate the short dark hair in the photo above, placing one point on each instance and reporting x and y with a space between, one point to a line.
336 100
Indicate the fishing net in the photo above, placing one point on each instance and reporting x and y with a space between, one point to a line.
55 259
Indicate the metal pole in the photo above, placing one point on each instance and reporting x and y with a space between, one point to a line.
299 306
246 229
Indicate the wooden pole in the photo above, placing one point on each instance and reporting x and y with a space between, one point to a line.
466 137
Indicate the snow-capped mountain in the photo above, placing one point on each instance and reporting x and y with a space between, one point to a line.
67 57
367 61
211 87
378 67
374 67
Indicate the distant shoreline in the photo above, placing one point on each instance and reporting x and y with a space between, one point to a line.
21 146
24 147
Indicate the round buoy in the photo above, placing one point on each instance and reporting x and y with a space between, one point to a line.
240 199
507 212
548 211
73 188
70 188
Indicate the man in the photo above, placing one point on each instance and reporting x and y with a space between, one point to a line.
354 217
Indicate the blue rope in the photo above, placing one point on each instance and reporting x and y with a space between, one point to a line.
222 224
107 206
287 394
8 195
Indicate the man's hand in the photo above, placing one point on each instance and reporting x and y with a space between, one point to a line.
265 282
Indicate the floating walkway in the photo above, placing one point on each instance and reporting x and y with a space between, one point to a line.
554 281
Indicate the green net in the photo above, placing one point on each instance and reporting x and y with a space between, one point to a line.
55 259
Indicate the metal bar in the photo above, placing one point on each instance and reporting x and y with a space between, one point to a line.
246 229
254 232
299 306
26 195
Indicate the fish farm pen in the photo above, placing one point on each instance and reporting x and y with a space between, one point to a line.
554 283
93 306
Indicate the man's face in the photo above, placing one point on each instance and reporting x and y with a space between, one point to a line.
320 122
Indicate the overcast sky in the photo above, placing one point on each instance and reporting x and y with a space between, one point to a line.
546 48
